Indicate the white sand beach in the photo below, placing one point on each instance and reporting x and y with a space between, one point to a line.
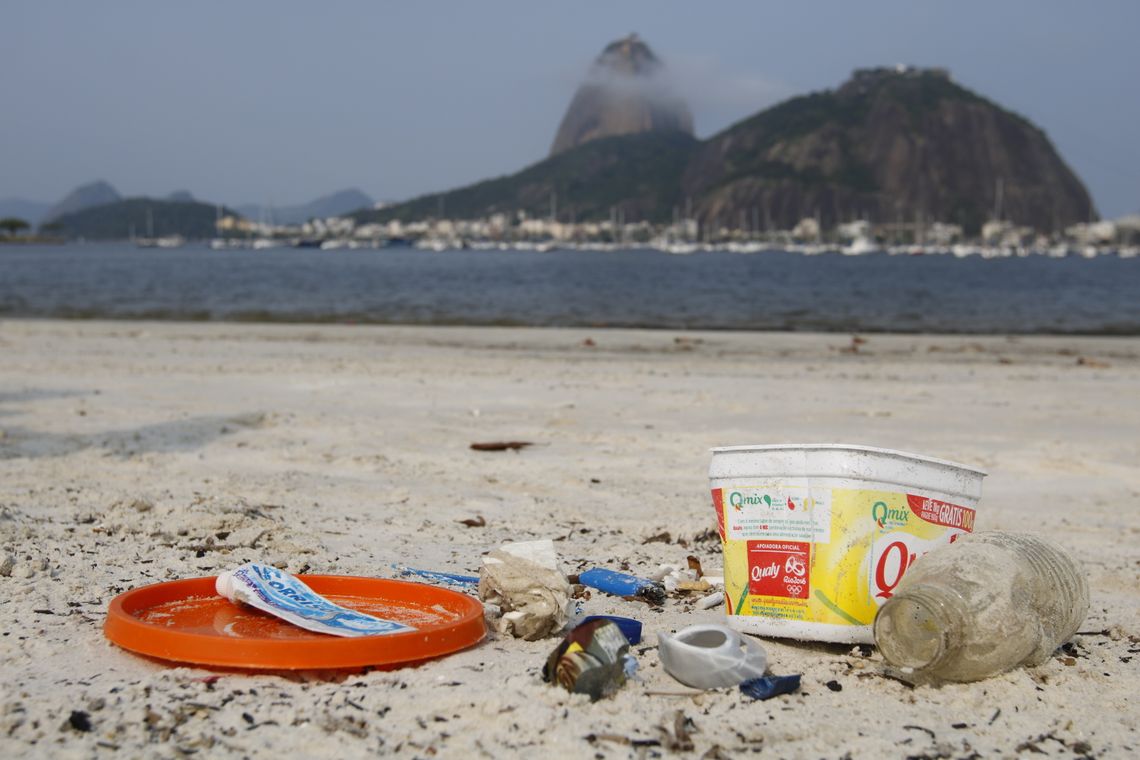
134 452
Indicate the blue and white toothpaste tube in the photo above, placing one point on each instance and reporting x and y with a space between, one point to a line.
285 596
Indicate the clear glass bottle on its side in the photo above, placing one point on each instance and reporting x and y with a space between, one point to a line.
985 604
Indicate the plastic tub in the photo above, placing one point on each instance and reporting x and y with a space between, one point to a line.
817 536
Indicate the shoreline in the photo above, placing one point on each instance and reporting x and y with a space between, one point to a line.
352 323
128 447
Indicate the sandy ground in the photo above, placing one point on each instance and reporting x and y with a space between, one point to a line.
136 452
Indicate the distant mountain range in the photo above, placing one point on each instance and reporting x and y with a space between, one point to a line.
897 145
142 217
891 145
97 211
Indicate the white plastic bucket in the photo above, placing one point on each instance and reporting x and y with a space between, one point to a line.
817 536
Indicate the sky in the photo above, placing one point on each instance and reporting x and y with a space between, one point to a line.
276 101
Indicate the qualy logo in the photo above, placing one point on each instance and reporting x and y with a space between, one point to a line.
779 569
892 555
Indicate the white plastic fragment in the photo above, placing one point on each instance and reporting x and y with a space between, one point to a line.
715 599
711 656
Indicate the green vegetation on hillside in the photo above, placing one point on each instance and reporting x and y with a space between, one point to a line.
640 174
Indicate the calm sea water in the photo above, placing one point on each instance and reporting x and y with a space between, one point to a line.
764 291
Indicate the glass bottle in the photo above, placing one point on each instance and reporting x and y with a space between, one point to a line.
987 603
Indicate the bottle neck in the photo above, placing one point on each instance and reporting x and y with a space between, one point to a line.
921 628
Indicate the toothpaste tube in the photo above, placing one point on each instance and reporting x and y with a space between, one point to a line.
285 596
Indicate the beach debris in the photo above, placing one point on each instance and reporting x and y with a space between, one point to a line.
527 584
853 348
782 587
629 627
1021 599
500 445
164 620
588 343
664 537
474 522
285 596
591 659
623 584
466 582
685 580
711 656
623 740
1085 361
79 721
714 599
769 686
676 732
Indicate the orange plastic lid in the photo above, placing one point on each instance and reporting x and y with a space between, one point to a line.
187 621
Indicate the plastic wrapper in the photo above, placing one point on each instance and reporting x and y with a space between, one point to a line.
592 659
282 595
526 583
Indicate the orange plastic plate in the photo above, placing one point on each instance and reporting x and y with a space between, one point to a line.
186 621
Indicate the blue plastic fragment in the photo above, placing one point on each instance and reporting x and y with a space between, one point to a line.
770 686
629 627
622 584
451 579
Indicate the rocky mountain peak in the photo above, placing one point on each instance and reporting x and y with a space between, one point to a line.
627 91
629 56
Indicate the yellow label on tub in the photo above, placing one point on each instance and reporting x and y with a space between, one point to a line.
825 555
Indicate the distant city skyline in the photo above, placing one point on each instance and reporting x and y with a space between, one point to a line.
282 102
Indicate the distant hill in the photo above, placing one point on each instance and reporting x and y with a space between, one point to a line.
31 212
627 91
182 196
889 145
639 174
118 220
85 196
334 204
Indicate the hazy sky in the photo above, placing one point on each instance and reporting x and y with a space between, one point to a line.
279 101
